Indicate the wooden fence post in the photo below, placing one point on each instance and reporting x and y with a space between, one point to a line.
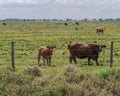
111 54
12 56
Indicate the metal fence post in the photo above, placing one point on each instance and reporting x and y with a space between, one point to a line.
111 54
12 56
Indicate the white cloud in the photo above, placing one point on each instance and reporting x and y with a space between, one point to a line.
66 2
4 1
60 8
25 1
90 3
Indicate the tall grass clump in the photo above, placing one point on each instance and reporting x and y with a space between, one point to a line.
109 81
107 73
70 68
73 74
32 70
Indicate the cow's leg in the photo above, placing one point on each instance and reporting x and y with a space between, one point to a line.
70 59
75 60
88 61
97 62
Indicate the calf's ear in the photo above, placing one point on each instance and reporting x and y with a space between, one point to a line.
48 46
54 46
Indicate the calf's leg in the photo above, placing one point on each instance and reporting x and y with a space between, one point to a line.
44 61
39 56
49 61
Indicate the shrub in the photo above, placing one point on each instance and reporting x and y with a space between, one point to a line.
33 70
71 68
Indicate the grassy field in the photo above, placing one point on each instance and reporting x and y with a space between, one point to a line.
29 36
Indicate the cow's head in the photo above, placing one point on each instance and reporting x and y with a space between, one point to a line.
50 49
100 47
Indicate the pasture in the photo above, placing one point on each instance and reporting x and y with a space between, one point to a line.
29 36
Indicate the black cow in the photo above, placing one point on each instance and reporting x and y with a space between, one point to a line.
4 23
65 23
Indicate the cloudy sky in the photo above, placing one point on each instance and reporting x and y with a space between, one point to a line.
59 9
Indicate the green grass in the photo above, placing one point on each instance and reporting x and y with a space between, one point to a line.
29 36
70 81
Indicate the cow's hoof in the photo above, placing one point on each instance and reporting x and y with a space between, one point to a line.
89 64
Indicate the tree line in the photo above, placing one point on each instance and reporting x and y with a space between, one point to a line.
56 20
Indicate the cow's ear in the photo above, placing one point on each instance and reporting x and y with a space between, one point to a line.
103 46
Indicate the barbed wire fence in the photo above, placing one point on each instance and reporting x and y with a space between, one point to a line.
110 59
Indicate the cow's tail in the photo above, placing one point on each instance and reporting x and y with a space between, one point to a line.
69 44
39 55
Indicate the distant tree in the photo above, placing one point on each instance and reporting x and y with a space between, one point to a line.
94 19
68 20
85 19
117 19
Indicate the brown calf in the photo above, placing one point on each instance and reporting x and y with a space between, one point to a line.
46 53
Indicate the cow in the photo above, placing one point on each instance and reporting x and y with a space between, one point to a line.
4 23
45 52
65 23
100 30
76 23
58 23
80 50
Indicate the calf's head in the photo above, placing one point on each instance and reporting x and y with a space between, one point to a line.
50 48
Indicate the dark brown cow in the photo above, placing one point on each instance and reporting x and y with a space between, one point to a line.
4 23
100 30
79 50
46 53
